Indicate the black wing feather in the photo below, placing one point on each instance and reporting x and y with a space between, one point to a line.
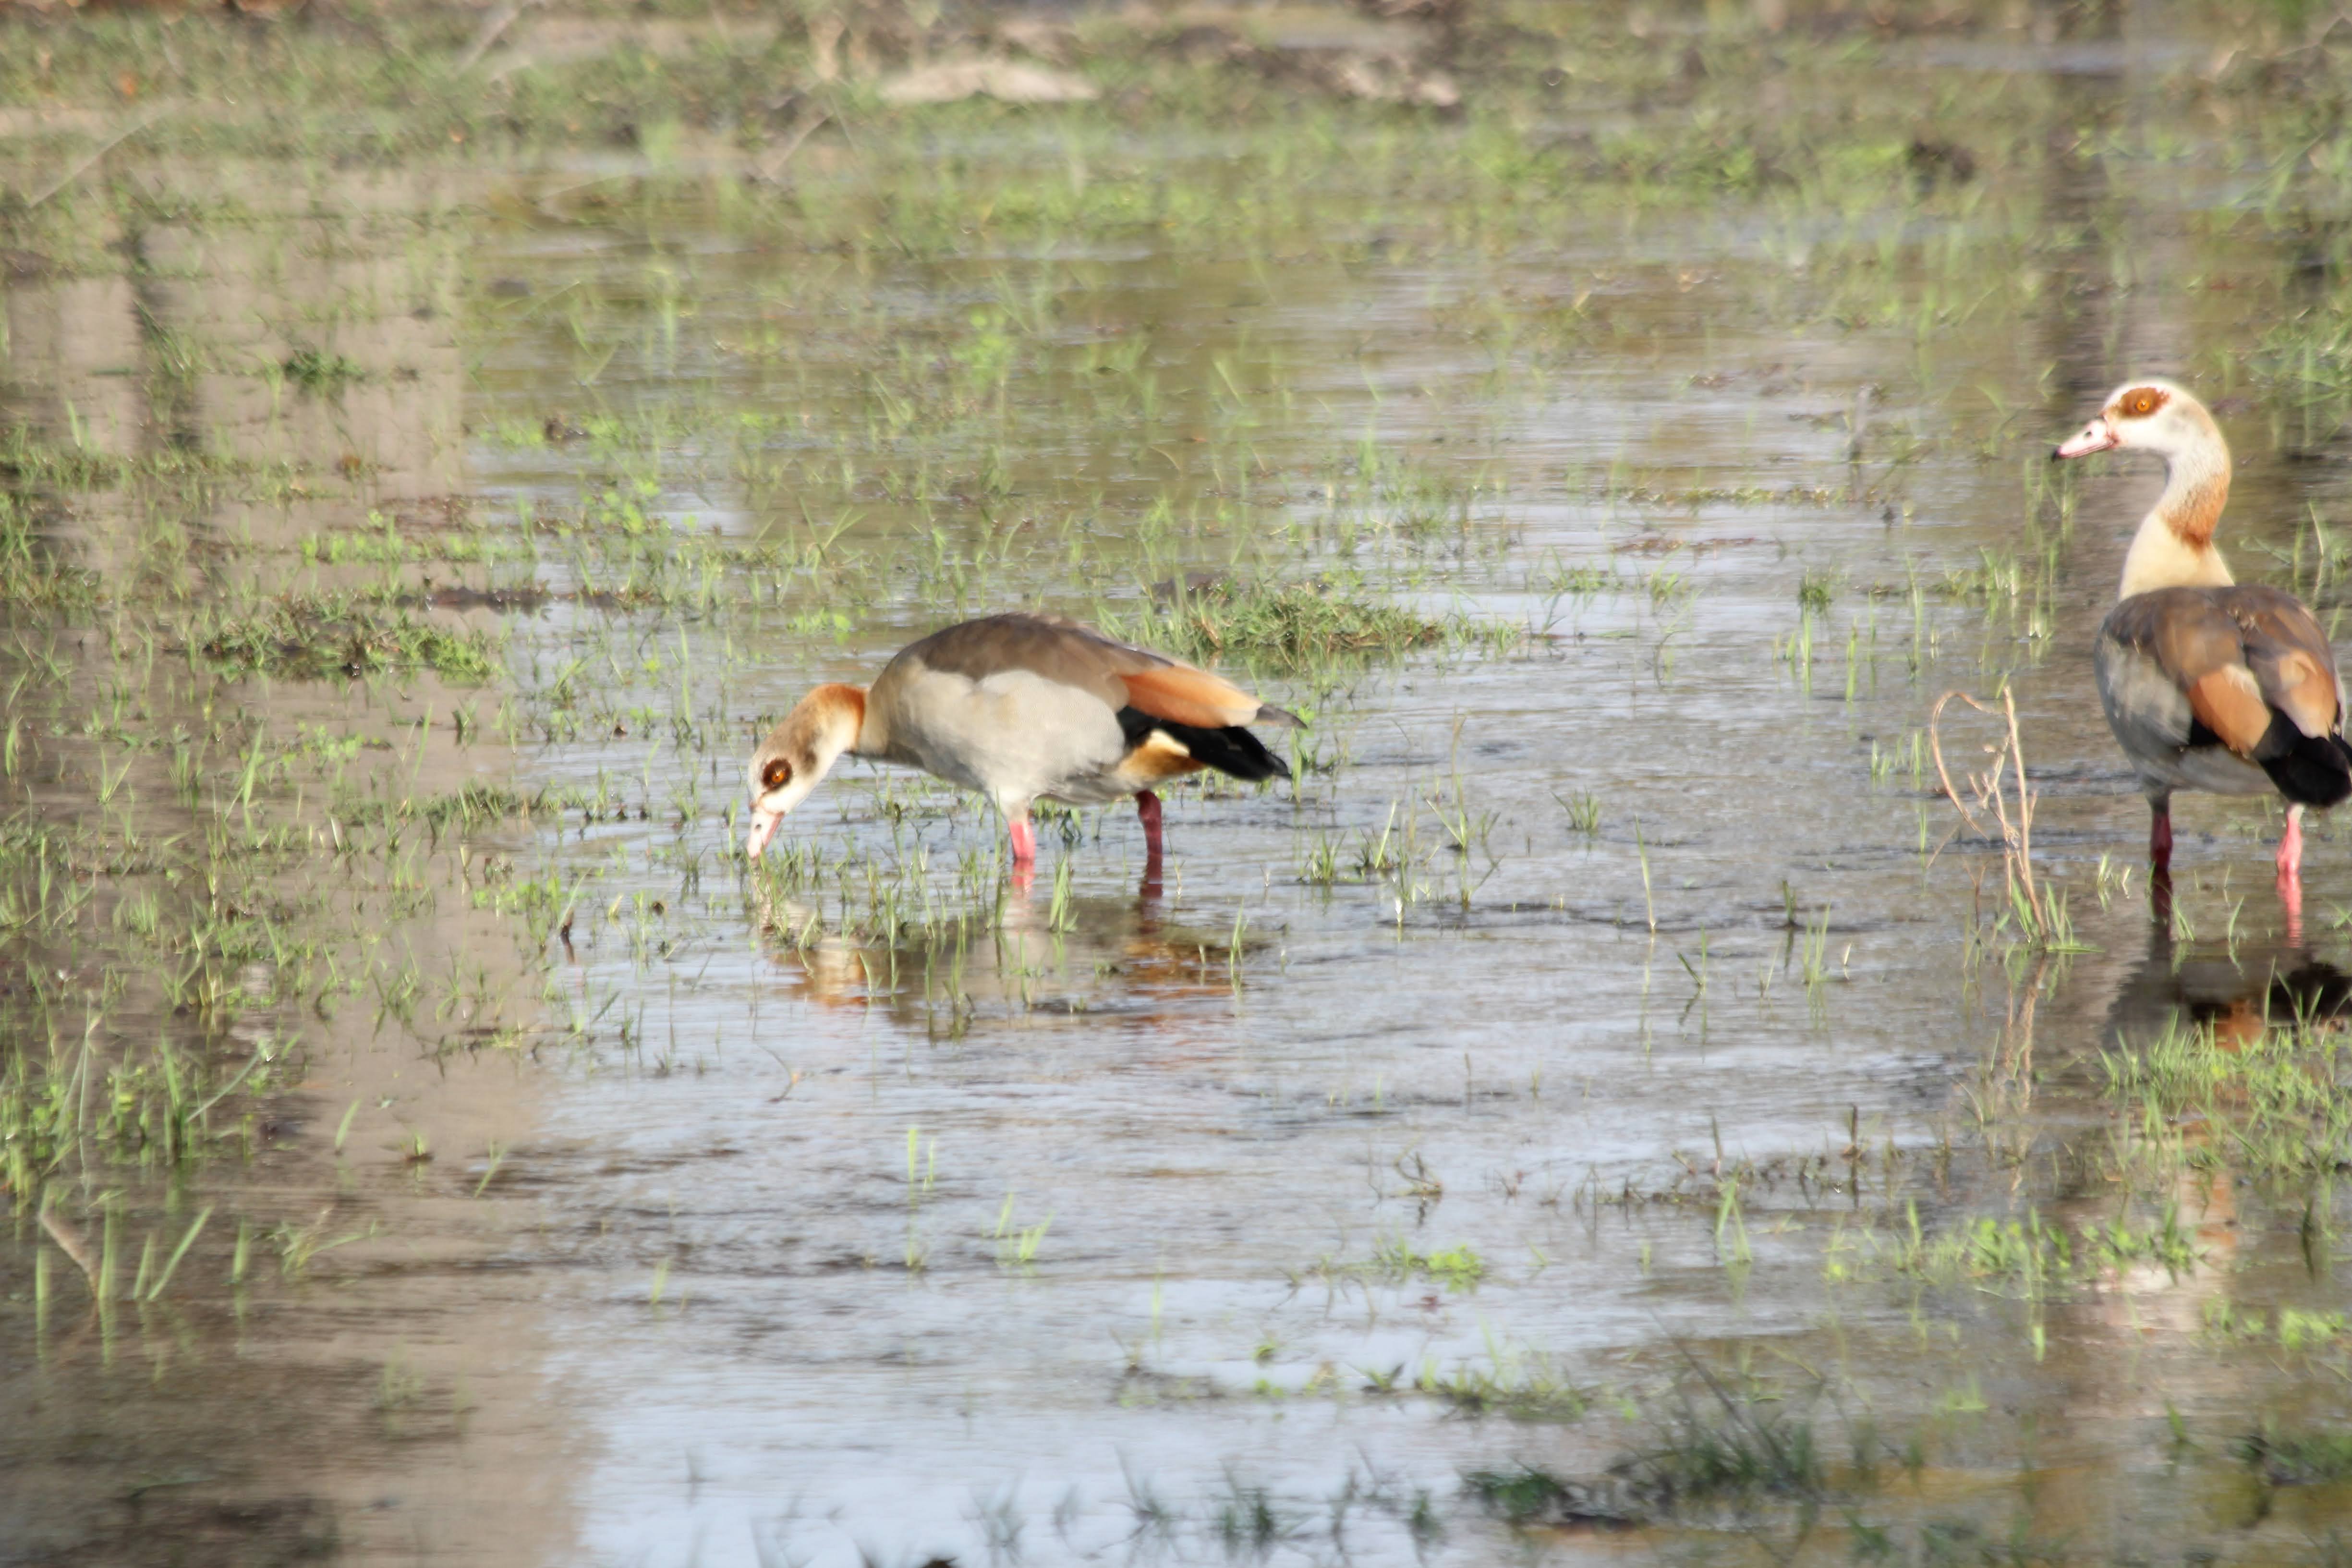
2310 770
1233 749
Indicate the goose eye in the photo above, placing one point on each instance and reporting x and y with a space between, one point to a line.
2143 403
776 774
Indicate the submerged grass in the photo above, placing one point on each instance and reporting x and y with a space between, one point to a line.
1710 1447
2312 1456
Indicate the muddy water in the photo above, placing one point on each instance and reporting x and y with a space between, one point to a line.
871 1205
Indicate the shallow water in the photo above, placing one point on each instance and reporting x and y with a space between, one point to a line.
869 1204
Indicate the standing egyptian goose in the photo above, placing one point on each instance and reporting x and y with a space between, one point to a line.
1022 707
2209 685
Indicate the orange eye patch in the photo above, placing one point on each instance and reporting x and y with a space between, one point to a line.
776 774
2140 402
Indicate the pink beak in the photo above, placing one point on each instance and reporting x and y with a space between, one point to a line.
763 827
2098 435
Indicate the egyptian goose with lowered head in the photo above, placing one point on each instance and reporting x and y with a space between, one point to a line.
2209 685
1022 707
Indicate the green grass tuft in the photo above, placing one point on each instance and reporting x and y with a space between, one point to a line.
321 371
341 636
2297 1459
1293 627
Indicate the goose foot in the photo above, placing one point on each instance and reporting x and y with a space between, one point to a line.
2159 838
1024 840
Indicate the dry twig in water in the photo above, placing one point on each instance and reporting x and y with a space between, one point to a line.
2016 834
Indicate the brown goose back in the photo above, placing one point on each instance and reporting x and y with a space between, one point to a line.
1072 655
2236 653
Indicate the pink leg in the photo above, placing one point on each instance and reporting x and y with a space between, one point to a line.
1147 809
2290 850
1024 852
2290 874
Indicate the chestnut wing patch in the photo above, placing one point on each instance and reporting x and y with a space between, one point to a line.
2229 706
1183 695
2290 657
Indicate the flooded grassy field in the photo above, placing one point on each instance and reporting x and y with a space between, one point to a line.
1608 1105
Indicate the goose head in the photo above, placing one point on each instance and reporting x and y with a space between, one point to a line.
2147 416
2174 545
798 753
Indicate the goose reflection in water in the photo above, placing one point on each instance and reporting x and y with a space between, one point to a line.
1035 952
2235 990
2241 998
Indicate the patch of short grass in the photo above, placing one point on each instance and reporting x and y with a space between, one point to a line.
36 463
344 636
31 576
322 371
2276 1104
1522 1384
1456 1267
1294 627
